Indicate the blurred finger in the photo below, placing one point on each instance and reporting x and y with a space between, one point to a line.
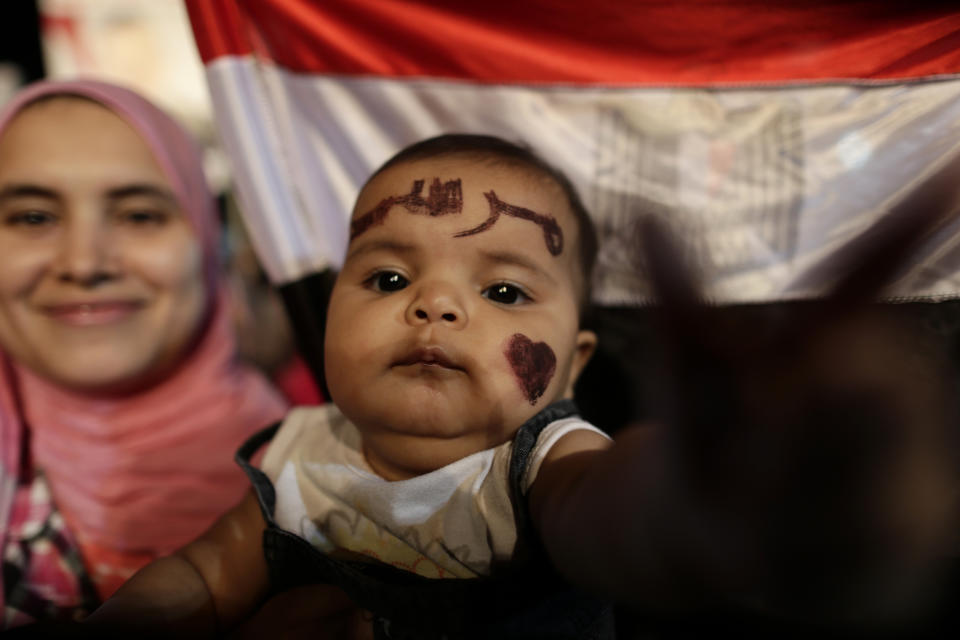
674 284
870 262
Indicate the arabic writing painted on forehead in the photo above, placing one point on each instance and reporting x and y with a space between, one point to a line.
552 233
446 198
441 200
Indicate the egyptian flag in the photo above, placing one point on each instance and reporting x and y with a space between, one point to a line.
769 135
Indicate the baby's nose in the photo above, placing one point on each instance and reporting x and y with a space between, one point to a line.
437 303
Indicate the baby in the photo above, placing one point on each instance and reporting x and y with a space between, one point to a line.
450 480
453 343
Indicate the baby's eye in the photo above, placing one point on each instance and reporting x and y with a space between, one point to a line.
388 281
504 293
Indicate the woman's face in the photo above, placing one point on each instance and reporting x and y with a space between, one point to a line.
101 283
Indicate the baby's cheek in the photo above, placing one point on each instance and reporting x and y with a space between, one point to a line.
533 365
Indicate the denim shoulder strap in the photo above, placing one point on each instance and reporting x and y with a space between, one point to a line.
266 495
523 444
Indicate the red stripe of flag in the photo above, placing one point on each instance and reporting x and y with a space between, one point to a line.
219 28
611 42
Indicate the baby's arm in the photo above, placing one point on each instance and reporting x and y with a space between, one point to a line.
204 588
850 533
601 513
804 466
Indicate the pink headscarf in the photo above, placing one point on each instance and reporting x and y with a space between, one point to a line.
144 474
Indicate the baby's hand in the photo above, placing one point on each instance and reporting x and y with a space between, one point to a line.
816 452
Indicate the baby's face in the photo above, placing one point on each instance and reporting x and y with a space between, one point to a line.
454 318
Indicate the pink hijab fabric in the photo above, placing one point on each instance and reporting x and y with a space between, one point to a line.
136 477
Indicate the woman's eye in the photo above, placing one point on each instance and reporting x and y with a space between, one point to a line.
144 217
504 293
30 219
387 281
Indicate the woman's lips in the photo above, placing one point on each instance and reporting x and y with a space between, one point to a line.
85 314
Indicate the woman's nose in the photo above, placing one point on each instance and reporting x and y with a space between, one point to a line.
437 302
86 255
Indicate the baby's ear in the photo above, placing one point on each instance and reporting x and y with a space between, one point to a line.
586 345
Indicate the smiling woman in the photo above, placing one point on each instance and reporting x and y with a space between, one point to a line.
121 402
101 265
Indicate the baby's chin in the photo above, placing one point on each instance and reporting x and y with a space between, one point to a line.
444 412
420 444
398 456
432 430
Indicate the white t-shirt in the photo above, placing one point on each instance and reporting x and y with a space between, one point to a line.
455 521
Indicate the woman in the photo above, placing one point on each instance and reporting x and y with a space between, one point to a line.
121 402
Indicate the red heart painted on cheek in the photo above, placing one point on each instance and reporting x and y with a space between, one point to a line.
534 364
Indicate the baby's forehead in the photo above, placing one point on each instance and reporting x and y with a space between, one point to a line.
482 189
474 176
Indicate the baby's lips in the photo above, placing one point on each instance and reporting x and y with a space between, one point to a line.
428 355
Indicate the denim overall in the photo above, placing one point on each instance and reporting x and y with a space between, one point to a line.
524 600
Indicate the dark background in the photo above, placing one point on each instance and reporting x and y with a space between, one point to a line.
20 38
